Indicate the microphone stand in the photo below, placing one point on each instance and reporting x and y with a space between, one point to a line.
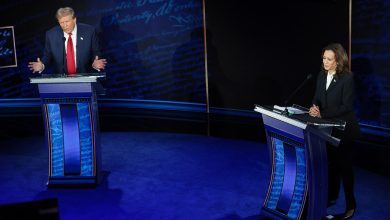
296 90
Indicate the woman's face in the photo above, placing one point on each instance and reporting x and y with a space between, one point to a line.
329 60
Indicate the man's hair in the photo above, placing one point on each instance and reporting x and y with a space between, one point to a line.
62 12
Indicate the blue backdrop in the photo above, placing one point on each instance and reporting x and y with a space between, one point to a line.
370 60
7 47
155 49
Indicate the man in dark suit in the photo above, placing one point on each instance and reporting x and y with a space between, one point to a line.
71 47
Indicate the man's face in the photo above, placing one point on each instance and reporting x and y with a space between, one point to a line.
67 23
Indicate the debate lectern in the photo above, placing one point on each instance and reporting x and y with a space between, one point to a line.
70 114
299 173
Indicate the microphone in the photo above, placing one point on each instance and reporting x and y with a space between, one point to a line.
63 55
308 77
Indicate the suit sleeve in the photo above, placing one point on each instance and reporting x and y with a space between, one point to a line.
47 52
95 46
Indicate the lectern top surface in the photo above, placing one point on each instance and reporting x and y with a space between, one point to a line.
302 118
59 78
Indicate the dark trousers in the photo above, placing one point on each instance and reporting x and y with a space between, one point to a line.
340 170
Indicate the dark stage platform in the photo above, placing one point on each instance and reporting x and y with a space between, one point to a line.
155 175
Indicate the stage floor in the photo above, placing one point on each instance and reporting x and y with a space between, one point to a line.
154 175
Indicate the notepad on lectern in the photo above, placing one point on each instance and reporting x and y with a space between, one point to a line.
291 110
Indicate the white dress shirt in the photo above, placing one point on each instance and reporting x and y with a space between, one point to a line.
329 79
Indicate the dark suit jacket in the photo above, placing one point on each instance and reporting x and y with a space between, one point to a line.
337 102
87 47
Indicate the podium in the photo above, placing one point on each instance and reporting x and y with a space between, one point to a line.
70 114
299 171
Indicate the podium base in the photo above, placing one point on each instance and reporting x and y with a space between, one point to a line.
72 182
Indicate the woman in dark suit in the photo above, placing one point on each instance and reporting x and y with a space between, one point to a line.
333 99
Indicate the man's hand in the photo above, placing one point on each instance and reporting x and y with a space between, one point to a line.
99 64
36 67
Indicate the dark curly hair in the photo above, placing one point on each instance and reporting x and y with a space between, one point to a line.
340 56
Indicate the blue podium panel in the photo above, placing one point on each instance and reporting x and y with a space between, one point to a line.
70 113
71 139
87 140
299 174
288 185
56 144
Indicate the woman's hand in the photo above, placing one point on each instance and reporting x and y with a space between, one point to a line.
315 111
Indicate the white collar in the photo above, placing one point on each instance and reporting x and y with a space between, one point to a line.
331 73
74 32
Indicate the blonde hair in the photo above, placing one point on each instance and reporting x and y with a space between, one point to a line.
62 12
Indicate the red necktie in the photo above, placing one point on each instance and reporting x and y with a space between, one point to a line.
70 56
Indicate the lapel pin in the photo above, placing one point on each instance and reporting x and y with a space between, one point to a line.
81 38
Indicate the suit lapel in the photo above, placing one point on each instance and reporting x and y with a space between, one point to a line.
333 83
61 46
323 82
80 43
78 46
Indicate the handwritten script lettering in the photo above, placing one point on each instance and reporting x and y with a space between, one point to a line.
145 16
145 11
5 33
5 51
187 20
2 43
5 43
143 2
